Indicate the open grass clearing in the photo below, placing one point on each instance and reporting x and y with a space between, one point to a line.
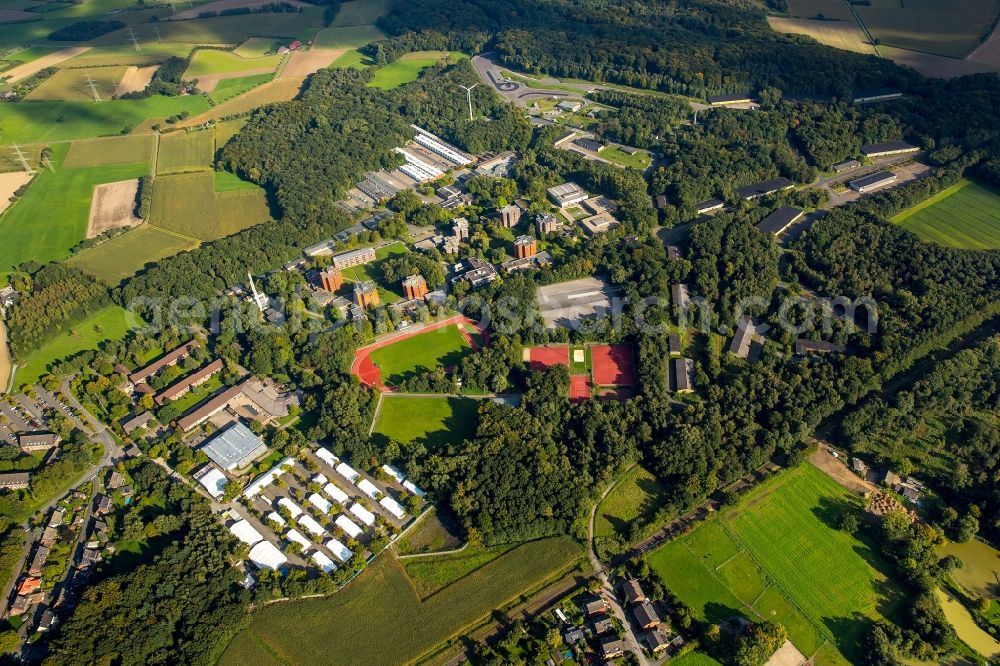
53 216
353 58
109 323
185 151
966 215
424 352
125 255
109 151
430 574
820 582
435 532
79 84
230 182
614 154
351 626
434 422
188 204
32 122
258 47
635 497
372 273
226 89
409 67
226 130
347 37
213 61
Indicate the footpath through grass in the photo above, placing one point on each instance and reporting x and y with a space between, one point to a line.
779 555
380 619
966 216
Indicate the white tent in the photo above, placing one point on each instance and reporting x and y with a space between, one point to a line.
335 493
369 488
320 503
393 472
324 454
214 481
346 524
363 514
296 536
245 532
320 479
339 550
292 507
276 517
392 506
266 554
308 522
409 485
265 479
348 472
323 562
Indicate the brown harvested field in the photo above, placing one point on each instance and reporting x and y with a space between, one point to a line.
11 15
38 64
303 63
831 9
9 182
279 90
935 66
135 79
989 51
220 5
952 29
113 207
846 35
208 82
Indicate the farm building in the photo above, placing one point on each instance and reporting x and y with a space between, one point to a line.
234 448
877 95
888 148
730 98
709 205
873 181
674 344
764 188
592 145
566 194
777 222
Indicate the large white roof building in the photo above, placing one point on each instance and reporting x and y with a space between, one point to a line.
266 555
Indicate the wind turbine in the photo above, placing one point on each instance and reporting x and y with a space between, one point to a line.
468 94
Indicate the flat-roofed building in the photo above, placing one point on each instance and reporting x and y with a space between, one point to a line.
415 286
234 448
525 246
599 224
14 480
592 145
778 222
764 188
213 480
873 181
683 375
37 441
888 148
510 215
353 258
169 358
709 205
846 165
365 294
331 279
547 223
804 346
460 228
729 98
877 95
566 194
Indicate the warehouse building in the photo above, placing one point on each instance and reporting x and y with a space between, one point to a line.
777 222
234 448
873 181
888 148
566 194
764 188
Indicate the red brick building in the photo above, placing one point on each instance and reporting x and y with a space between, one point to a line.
525 246
332 279
415 287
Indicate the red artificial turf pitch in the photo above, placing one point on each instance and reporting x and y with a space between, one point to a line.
540 358
613 365
579 388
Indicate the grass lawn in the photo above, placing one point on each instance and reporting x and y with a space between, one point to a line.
434 422
31 122
435 532
966 215
185 151
230 182
778 555
125 255
430 574
74 84
52 217
212 61
347 37
110 150
230 88
109 323
258 47
424 352
636 495
188 204
351 626
640 160
372 273
408 68
353 58
694 658
26 55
